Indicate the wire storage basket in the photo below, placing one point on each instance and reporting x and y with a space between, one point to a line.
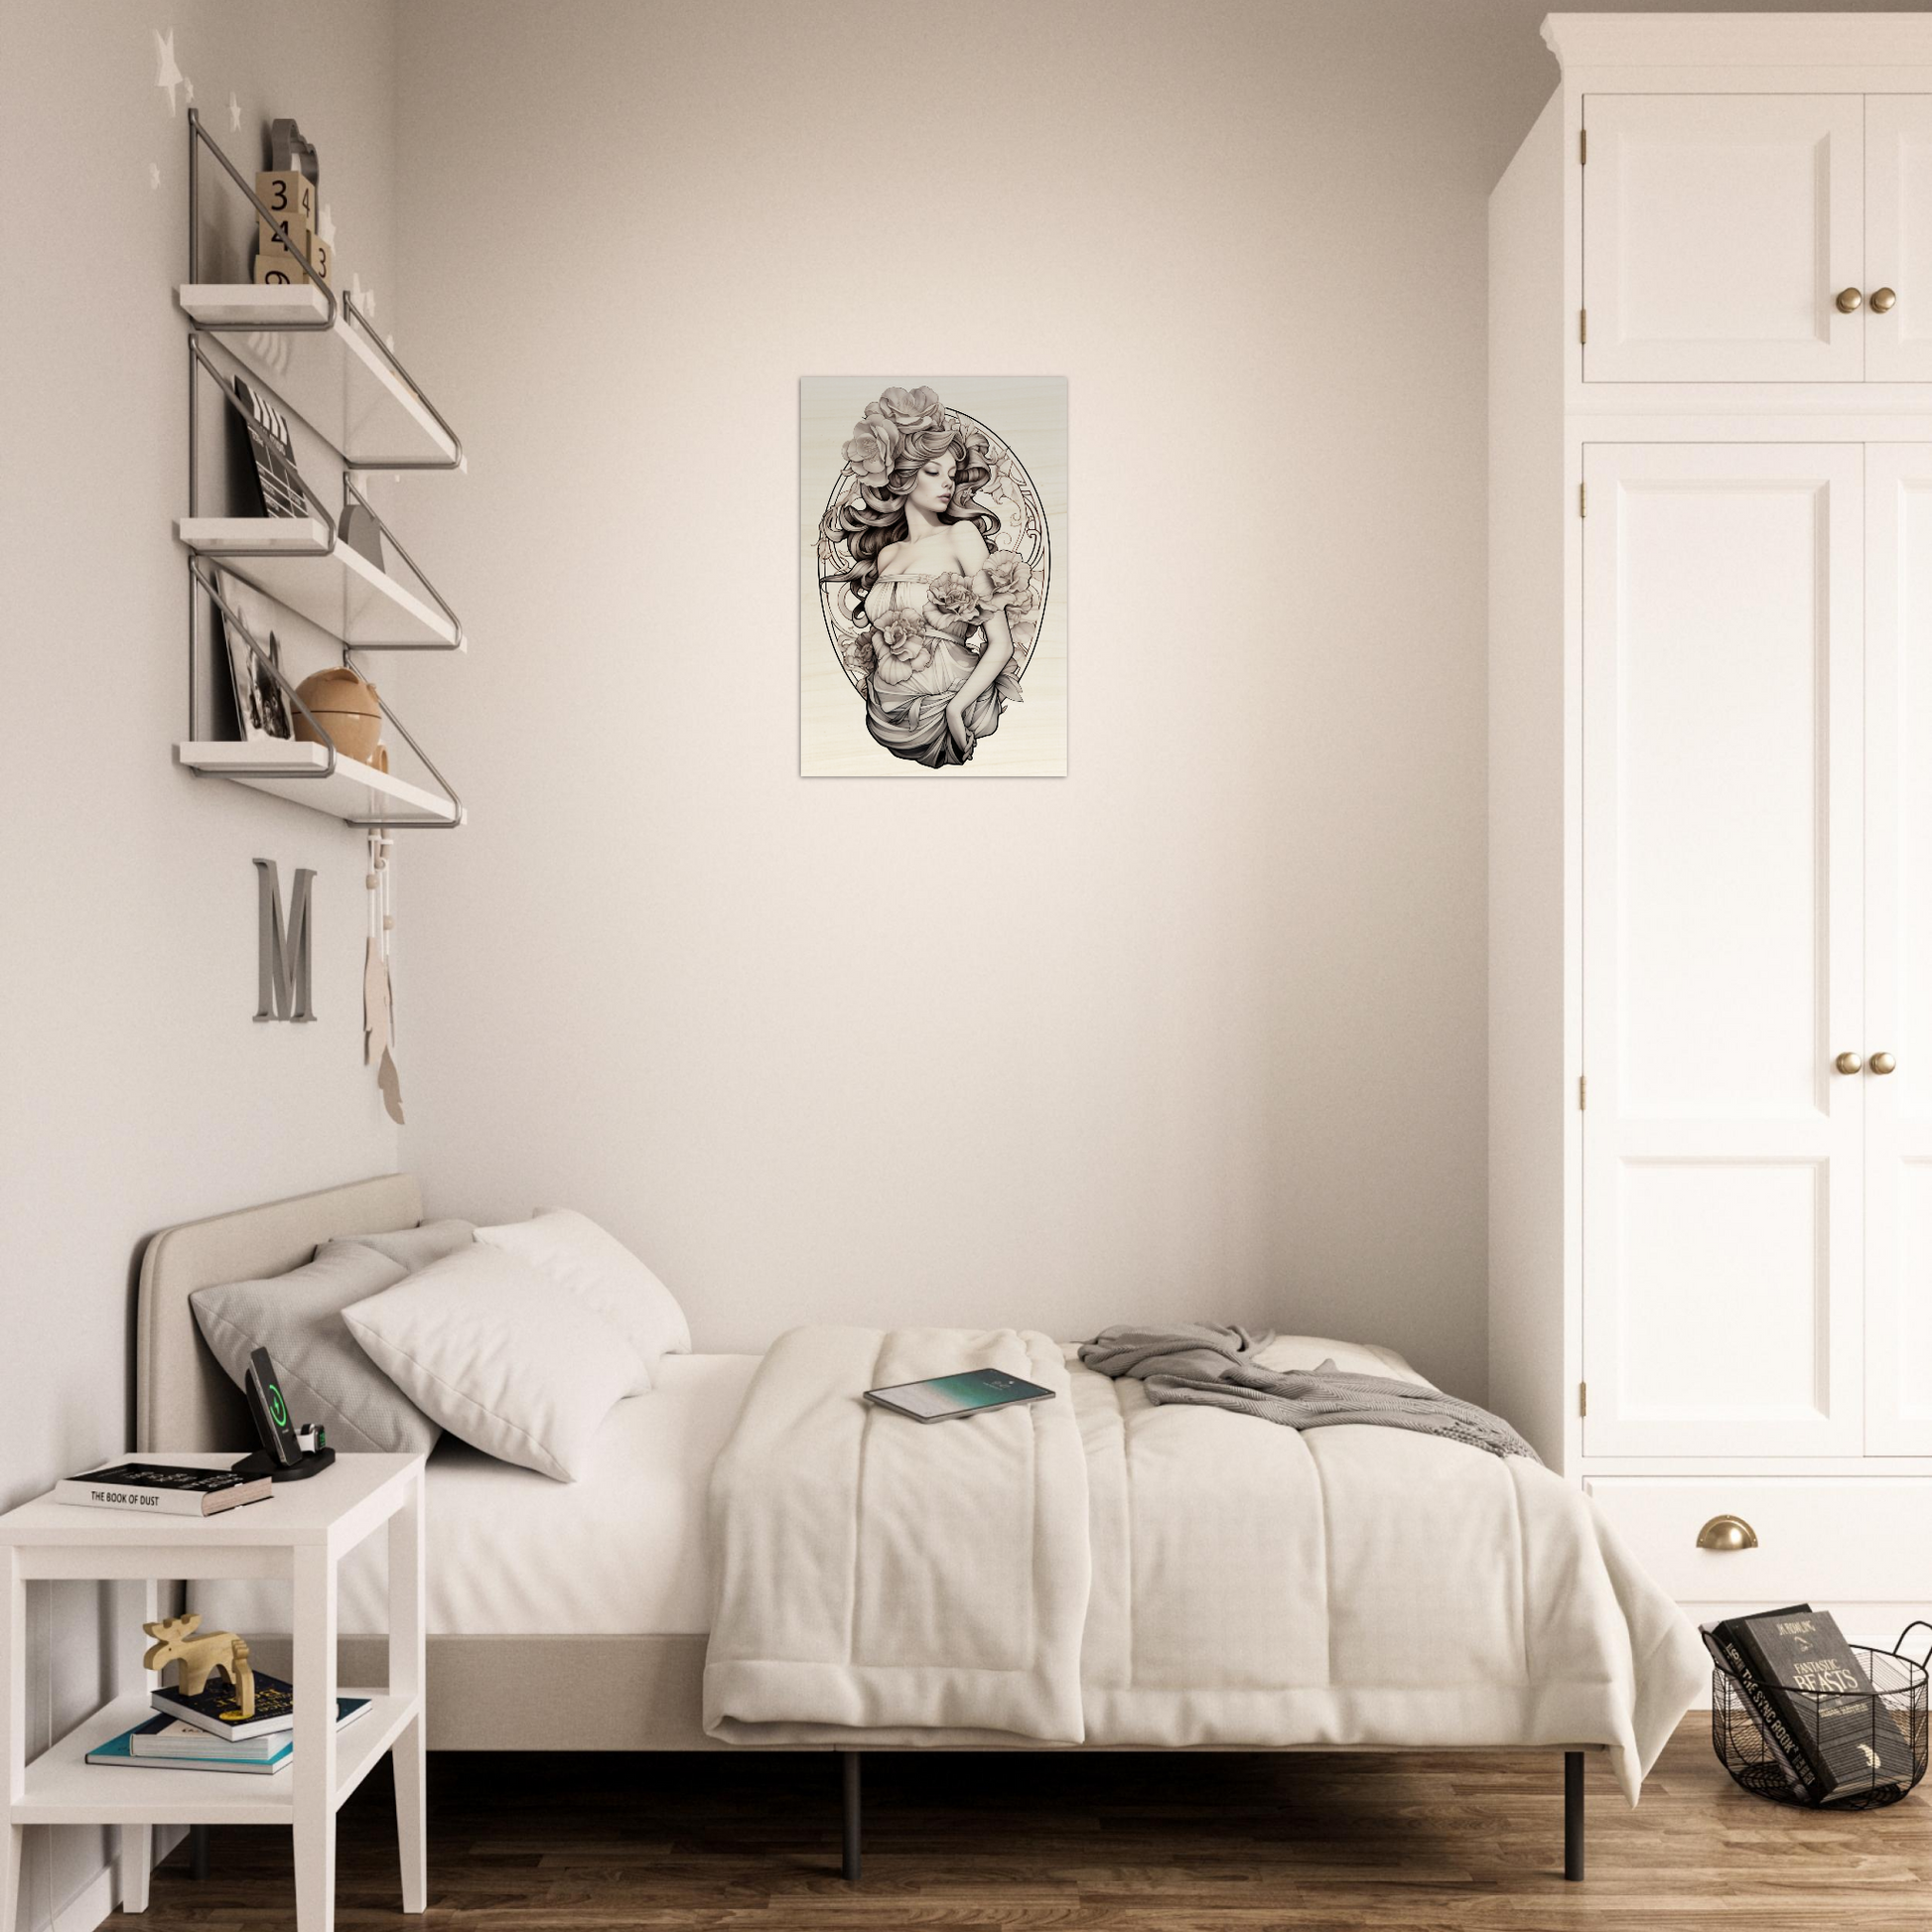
1884 1729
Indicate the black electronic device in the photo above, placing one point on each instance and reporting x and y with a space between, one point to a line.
270 1410
281 1455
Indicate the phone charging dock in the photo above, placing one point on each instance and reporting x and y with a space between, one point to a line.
261 1464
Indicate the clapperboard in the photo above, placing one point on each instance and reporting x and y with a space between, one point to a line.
274 452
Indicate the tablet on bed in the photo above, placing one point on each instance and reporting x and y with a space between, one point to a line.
946 1396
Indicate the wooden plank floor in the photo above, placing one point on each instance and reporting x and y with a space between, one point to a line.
1450 1843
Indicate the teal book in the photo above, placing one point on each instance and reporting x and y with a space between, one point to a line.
120 1750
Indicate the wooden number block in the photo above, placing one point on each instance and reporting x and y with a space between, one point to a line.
288 196
321 257
285 273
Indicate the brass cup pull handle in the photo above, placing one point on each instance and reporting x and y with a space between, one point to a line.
1882 1063
1850 301
1727 1533
1849 1063
1881 301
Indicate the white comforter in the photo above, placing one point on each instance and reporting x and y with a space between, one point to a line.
1098 1570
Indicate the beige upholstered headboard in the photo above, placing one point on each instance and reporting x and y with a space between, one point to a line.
182 1398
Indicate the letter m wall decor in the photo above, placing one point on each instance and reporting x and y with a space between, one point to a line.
282 985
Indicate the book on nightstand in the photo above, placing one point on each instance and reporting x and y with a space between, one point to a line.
215 1712
164 1489
159 1745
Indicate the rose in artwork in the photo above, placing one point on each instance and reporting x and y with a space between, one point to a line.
869 455
905 412
1010 579
902 644
952 600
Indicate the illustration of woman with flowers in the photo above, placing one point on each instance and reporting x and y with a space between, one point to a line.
928 605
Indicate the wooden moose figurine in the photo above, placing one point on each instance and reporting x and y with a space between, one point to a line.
222 1650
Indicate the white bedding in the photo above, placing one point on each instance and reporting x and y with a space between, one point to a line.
510 1551
1241 1584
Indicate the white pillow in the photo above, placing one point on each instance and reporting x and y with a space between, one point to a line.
488 1348
574 1253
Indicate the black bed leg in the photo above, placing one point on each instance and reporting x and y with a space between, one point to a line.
849 1770
1573 1814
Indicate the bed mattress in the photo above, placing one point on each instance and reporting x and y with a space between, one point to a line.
514 1553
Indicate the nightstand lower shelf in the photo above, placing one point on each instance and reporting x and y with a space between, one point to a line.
63 1788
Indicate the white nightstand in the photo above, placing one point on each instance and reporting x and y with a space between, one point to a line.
302 1532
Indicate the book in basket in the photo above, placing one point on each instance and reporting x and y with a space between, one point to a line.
215 1710
163 1489
1825 1717
1731 1659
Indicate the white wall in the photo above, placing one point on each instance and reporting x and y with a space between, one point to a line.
137 1089
1197 1030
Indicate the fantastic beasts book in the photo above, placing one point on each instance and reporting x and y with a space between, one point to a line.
1838 1728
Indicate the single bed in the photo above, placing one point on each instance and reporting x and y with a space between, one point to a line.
577 1616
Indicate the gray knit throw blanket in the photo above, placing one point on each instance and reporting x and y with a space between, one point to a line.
1194 1361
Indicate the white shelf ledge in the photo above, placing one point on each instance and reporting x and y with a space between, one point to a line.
350 791
63 1788
335 378
340 590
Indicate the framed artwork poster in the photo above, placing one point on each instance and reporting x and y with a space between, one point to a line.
932 622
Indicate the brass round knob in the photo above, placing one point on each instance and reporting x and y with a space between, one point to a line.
1849 1063
1882 1063
1727 1533
1850 301
1881 301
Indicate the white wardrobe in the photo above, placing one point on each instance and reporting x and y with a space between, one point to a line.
1711 798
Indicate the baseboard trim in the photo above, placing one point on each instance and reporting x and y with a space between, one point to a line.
88 1909
99 1898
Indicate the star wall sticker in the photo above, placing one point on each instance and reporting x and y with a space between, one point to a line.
365 299
235 113
154 173
326 225
167 74
188 90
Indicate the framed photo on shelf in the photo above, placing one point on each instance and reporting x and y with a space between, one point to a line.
261 706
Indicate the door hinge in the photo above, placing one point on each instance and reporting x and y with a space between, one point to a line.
1582 147
1582 325
1583 1398
1583 499
1583 1091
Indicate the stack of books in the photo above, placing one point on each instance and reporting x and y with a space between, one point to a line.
1830 1734
208 1732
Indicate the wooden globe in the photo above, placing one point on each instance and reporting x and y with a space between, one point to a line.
345 707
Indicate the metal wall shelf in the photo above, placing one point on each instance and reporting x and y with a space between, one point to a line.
327 372
301 773
294 561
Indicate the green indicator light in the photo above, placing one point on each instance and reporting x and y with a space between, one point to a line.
277 1407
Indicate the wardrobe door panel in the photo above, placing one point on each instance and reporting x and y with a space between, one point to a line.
1898 967
1718 232
1898 236
1723 842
